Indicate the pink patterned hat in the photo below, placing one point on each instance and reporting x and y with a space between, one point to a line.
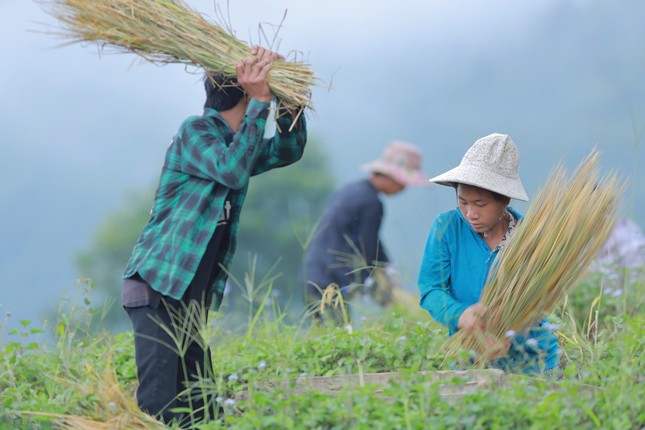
402 162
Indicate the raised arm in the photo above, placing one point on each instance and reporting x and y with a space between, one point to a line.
286 147
369 225
202 146
202 150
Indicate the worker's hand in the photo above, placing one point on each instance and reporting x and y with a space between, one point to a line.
492 347
474 322
252 73
472 318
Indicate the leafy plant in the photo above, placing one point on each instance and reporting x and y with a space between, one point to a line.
87 379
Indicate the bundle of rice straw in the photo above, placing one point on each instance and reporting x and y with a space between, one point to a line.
110 408
169 31
549 252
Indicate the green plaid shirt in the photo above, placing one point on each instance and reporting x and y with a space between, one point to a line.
207 164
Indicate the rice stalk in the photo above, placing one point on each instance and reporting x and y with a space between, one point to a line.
170 31
112 409
333 297
548 254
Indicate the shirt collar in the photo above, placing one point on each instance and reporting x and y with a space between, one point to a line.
512 223
515 217
212 113
371 185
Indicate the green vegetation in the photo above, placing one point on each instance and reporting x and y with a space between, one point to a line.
86 380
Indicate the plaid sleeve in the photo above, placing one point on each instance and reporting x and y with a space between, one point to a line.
286 147
201 149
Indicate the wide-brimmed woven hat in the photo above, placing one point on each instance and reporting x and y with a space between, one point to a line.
402 162
492 163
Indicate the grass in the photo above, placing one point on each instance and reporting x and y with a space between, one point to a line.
86 380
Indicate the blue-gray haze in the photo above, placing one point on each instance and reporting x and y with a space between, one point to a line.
79 129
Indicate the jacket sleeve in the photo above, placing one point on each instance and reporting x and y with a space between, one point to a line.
434 279
368 227
383 254
286 147
202 151
368 230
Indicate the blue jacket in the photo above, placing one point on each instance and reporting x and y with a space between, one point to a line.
347 244
453 273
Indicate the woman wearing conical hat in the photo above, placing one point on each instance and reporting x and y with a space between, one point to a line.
463 243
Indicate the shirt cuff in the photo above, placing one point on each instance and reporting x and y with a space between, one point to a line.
257 109
453 323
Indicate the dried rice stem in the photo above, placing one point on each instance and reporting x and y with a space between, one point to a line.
169 31
115 410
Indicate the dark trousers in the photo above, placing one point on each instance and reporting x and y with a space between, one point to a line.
171 358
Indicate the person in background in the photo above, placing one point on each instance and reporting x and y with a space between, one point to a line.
347 248
463 243
177 269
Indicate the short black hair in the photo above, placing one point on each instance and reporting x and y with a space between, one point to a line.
499 197
496 196
222 92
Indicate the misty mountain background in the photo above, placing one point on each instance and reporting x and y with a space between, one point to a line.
80 128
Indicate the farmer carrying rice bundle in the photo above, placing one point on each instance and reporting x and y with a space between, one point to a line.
491 276
177 269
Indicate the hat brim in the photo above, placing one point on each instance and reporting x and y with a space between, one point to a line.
480 177
408 177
